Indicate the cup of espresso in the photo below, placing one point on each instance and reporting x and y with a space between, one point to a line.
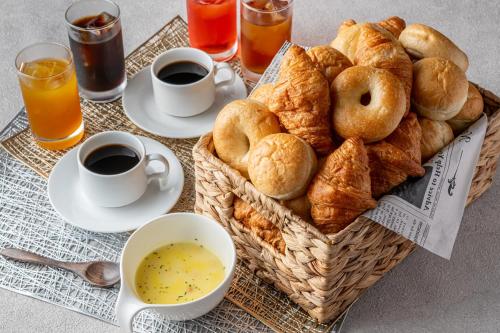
112 169
184 81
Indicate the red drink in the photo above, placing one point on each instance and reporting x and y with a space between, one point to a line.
212 27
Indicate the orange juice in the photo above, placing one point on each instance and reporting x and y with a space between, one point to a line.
50 94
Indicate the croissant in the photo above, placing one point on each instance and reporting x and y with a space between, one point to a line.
341 190
301 100
395 25
370 44
396 157
252 220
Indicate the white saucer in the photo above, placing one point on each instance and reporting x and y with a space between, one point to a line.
67 198
140 108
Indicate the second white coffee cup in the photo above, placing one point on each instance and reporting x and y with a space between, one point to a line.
120 189
186 100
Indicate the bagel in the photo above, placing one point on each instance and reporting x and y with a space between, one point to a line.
239 126
281 166
435 136
470 112
439 88
368 103
421 41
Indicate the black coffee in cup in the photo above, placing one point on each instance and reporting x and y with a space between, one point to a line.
111 159
182 72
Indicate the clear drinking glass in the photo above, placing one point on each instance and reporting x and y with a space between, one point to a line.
265 26
95 37
212 27
48 83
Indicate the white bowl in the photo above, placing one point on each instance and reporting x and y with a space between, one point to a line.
163 230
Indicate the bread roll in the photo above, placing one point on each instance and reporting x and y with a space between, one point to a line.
262 93
329 61
435 136
421 41
281 166
439 88
367 103
238 128
470 112
300 206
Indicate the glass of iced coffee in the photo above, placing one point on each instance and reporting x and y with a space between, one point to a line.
95 37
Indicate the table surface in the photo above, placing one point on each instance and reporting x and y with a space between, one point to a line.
423 294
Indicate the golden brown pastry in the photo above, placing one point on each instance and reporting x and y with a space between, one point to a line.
329 61
435 136
367 103
395 25
281 166
341 190
239 126
301 100
397 157
470 112
263 228
262 93
300 206
422 41
369 44
439 88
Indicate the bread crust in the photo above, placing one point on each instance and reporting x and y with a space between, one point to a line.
377 119
301 100
369 44
329 61
281 166
239 126
422 41
439 88
470 112
435 136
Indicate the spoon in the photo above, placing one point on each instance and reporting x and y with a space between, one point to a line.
97 273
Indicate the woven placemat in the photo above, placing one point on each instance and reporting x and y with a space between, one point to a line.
261 300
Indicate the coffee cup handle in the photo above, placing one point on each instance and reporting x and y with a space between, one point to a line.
221 66
161 177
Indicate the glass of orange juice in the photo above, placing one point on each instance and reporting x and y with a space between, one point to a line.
50 91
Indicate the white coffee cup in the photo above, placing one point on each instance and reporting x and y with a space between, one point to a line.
186 100
120 189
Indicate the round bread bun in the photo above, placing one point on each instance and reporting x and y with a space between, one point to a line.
439 88
281 166
239 126
367 103
421 41
470 112
435 136
329 61
262 93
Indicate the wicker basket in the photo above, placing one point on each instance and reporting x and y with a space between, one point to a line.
324 275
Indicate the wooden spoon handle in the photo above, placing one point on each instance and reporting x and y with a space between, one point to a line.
30 257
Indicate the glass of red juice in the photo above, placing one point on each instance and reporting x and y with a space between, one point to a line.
212 27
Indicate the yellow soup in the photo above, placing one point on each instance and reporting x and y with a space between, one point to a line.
178 273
